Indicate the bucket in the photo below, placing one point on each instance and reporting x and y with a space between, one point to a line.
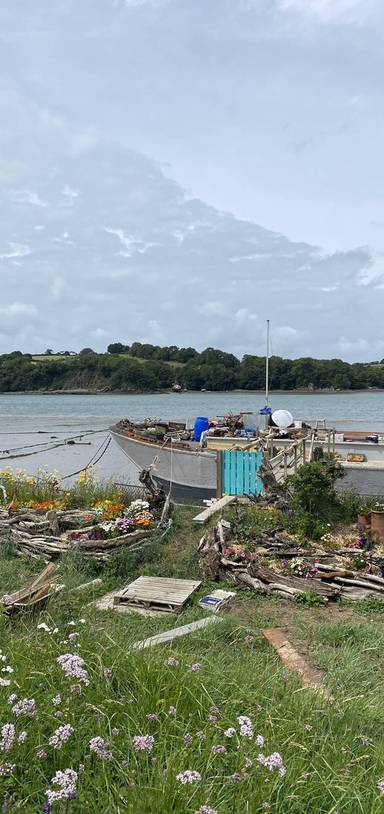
201 424
377 526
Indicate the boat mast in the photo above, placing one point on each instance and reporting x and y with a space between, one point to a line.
267 369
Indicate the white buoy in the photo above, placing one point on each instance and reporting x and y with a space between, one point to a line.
282 419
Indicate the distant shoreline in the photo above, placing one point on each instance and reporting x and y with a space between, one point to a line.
299 392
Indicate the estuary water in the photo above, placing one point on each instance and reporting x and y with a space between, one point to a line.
27 420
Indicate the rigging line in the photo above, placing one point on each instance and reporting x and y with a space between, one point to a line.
92 462
44 443
46 432
28 454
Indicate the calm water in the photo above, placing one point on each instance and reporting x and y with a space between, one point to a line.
24 419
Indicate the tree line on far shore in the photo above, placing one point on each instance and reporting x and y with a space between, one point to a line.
146 368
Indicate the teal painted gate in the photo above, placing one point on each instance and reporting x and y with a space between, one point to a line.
240 473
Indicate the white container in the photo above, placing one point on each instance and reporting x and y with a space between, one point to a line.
251 422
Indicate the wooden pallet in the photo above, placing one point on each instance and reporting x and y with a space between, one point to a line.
157 593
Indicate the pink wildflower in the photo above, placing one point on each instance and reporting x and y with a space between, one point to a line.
200 735
308 728
206 810
6 769
171 662
73 667
172 712
143 743
230 732
259 741
56 700
22 737
99 747
26 706
380 786
196 667
12 698
188 777
65 783
246 727
187 739
219 749
274 761
7 737
115 732
236 777
60 736
151 716
212 719
41 754
248 640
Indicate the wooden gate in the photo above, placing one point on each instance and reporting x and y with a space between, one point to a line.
239 473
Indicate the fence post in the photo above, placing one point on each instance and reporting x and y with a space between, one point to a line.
285 465
295 462
304 446
219 467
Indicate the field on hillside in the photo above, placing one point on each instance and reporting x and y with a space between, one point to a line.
211 723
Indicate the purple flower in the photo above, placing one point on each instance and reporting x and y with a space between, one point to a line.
143 743
172 712
22 737
60 736
195 668
259 741
188 777
41 754
274 761
212 719
207 810
200 735
266 806
236 777
47 808
65 783
230 732
308 728
26 706
7 737
380 786
219 749
73 667
5 806
214 710
187 739
246 727
107 672
364 740
171 662
151 716
12 698
99 747
6 769
248 640
115 732
56 700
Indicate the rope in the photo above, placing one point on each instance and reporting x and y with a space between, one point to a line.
94 460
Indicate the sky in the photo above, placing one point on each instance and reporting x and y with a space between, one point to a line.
178 171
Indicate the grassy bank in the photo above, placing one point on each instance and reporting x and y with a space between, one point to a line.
136 724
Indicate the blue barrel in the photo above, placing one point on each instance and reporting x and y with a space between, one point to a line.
201 424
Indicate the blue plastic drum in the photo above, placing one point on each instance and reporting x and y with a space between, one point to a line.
201 424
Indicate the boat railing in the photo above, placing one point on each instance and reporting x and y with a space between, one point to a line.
287 461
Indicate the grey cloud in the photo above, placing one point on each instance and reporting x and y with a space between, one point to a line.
101 240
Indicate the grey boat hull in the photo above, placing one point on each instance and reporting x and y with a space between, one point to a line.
190 475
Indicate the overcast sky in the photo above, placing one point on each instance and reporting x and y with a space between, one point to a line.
127 127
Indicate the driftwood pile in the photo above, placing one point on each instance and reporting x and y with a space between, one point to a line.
49 536
247 569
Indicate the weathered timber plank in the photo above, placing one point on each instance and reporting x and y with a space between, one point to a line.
291 658
218 506
170 635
